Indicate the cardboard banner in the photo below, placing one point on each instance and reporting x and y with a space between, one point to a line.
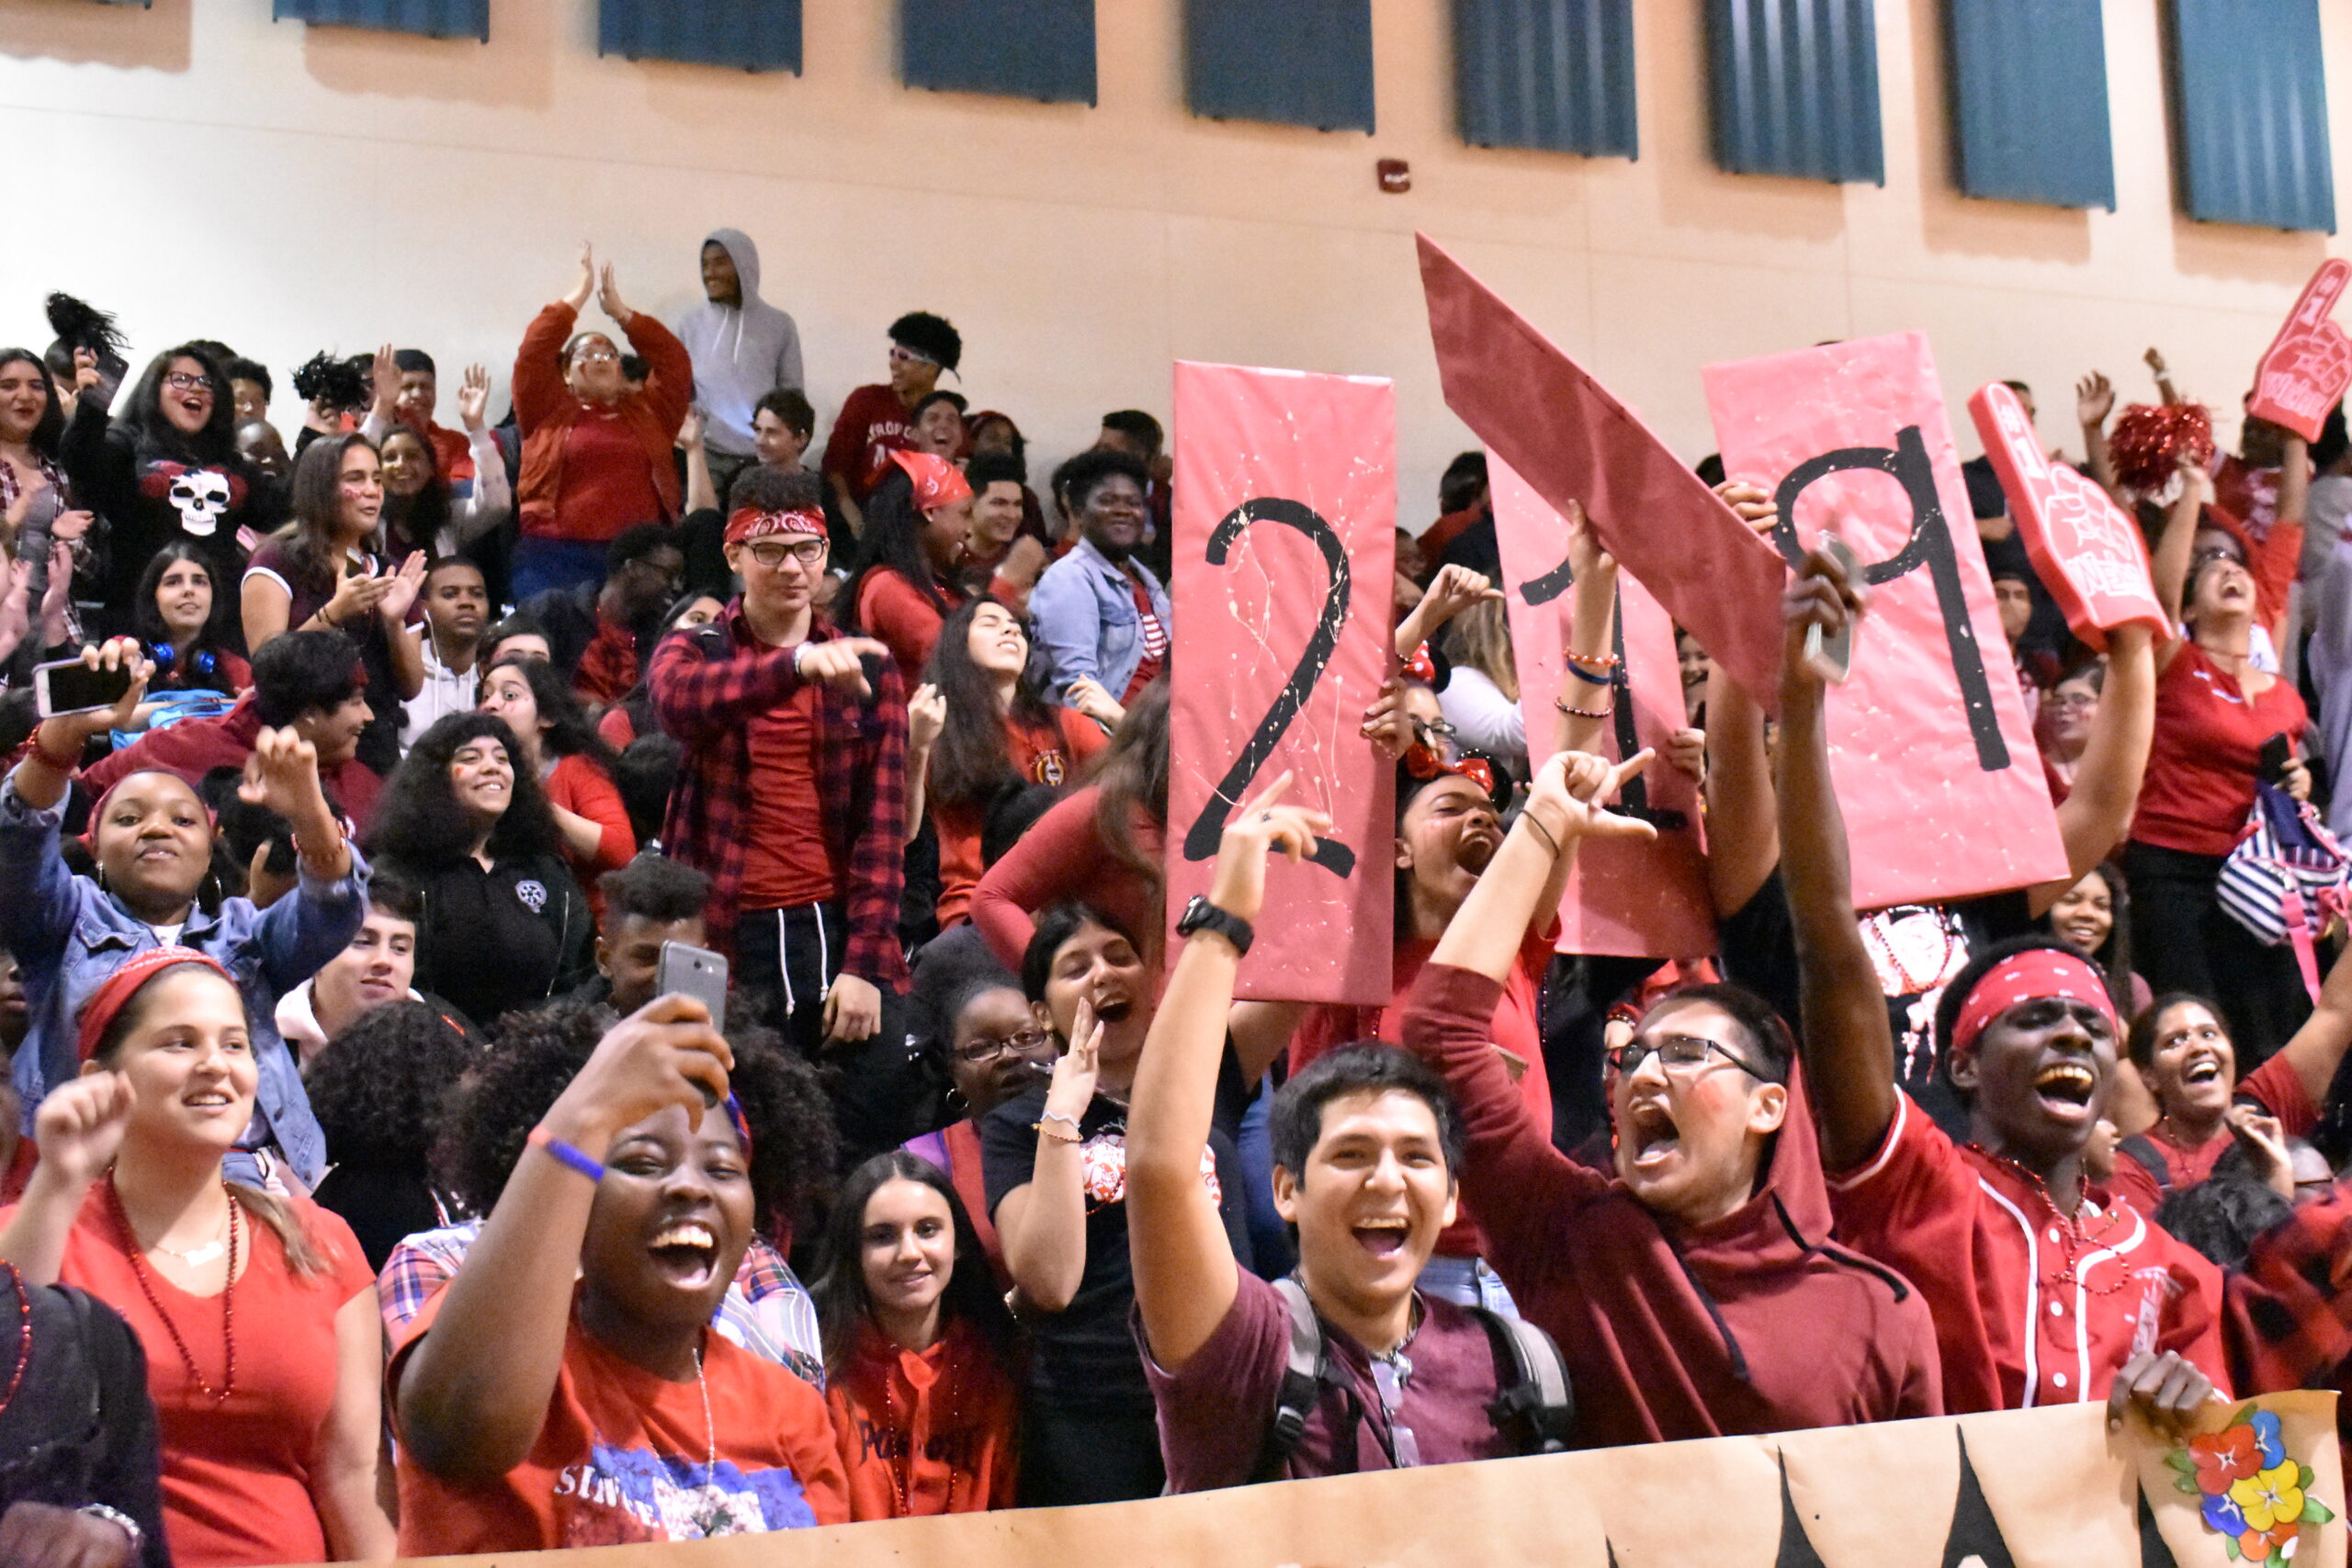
2304 373
1623 900
1285 550
2088 553
1538 411
1930 742
2042 1488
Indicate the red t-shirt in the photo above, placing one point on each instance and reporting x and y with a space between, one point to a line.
1045 757
1979 1238
929 1432
895 611
2275 1086
607 485
1516 1029
787 859
236 1472
873 422
623 1458
2206 754
607 667
1155 641
578 784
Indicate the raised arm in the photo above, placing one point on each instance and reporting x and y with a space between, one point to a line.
1453 591
470 1399
1043 1221
1184 1272
2168 566
1743 827
1847 1046
2097 815
2317 1048
2094 400
702 495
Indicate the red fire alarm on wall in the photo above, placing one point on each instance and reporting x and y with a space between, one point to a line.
1396 176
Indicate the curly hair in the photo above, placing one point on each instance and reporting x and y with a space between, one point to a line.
420 827
970 762
484 1133
378 1088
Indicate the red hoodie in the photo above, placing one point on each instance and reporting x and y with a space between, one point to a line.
1756 1323
193 747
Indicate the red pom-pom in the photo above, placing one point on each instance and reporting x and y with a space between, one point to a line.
2149 442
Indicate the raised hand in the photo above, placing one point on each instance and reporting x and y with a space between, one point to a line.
926 716
1565 798
1453 591
1075 1071
80 1125
1751 504
2265 1142
1257 828
690 430
401 588
1387 724
609 298
2094 400
665 1054
839 663
585 285
473 398
65 735
1820 595
1686 750
384 375
282 773
1585 557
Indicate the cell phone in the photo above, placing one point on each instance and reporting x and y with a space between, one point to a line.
2277 753
695 972
1832 657
71 686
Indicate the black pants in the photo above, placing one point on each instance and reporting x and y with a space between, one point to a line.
786 960
1070 1457
2182 940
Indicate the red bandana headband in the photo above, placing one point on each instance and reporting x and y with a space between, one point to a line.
937 481
2029 976
113 993
751 523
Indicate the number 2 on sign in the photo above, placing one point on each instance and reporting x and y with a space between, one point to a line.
1200 841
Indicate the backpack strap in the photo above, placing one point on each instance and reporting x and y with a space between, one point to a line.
1302 1379
2150 1158
1536 1407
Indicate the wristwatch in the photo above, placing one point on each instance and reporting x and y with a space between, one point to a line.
1200 915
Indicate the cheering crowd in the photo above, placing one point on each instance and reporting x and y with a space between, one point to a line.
378 1188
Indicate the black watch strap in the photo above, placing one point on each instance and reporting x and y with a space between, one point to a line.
1200 915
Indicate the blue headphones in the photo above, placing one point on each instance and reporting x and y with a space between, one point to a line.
202 665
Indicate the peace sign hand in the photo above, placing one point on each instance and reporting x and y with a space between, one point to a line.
1072 1089
1260 826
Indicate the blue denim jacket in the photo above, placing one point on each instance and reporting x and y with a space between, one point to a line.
1086 620
68 936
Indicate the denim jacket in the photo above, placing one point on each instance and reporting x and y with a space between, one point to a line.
68 936
1086 620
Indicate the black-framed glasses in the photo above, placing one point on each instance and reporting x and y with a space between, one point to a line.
1028 1043
1676 1053
181 382
774 553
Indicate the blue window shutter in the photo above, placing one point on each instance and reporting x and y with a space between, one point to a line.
435 18
1017 48
2029 101
752 35
1291 62
2249 108
1555 75
1794 86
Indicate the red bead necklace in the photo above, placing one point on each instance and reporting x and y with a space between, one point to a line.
2071 1237
902 1473
24 1335
228 1297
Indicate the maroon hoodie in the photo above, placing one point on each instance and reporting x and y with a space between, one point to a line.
193 747
1756 1323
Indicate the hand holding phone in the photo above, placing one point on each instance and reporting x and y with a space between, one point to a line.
73 685
699 973
1832 656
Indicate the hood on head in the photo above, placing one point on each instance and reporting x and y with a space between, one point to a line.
742 253
1789 1212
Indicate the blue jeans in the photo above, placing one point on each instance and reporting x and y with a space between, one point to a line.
541 564
1467 1281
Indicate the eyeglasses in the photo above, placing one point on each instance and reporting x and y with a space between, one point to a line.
1028 1043
2085 700
774 553
596 357
181 381
1676 1053
901 354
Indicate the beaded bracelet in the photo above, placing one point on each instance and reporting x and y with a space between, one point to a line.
1565 706
1071 1122
579 1159
1606 662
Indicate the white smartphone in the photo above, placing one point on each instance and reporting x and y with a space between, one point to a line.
71 686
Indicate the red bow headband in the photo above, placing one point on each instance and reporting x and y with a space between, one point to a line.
751 523
2029 976
937 481
1423 762
113 993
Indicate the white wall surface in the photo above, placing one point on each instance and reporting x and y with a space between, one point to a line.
205 171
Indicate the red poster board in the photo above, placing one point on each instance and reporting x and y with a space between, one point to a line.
1539 412
1285 550
1625 898
2088 553
1930 742
2304 371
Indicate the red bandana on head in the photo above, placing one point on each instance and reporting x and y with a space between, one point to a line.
938 482
2029 976
751 523
113 993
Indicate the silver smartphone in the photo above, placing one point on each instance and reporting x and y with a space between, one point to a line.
1833 657
695 972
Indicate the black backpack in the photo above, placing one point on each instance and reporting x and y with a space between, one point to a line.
1535 1408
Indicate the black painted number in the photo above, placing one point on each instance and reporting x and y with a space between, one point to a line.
1201 840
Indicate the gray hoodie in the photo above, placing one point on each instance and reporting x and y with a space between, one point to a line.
741 354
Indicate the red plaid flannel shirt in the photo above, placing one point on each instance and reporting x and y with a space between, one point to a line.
707 683
2289 1323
